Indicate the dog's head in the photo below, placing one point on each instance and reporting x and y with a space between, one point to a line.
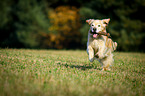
97 25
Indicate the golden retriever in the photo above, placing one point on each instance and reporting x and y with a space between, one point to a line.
100 47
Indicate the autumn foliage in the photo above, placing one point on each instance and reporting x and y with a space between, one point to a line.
64 29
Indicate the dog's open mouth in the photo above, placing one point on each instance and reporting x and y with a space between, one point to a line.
94 34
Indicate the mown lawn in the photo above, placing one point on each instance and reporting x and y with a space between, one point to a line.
69 73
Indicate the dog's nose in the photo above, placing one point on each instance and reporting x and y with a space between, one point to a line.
94 29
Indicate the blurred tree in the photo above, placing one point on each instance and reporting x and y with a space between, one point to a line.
65 25
6 19
31 21
23 21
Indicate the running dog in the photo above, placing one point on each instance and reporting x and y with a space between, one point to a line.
100 47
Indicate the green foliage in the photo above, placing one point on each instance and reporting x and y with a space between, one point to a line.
84 34
5 12
69 73
27 21
87 13
31 21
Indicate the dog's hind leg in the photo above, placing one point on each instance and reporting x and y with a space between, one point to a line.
107 62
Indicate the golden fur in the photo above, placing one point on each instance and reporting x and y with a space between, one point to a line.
98 46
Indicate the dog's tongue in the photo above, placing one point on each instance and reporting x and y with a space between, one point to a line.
95 35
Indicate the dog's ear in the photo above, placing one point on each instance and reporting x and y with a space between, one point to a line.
89 21
106 21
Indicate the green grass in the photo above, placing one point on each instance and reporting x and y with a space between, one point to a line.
69 73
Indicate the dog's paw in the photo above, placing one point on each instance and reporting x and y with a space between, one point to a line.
106 69
91 59
100 56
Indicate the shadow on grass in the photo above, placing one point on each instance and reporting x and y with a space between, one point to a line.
81 67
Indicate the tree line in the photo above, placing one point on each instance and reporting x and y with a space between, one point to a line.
60 24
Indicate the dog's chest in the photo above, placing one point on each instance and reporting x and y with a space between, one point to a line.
97 43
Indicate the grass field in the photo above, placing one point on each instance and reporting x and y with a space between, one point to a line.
69 73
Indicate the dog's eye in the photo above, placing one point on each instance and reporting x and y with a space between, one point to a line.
99 25
92 25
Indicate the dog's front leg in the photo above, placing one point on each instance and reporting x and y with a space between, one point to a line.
90 52
100 53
